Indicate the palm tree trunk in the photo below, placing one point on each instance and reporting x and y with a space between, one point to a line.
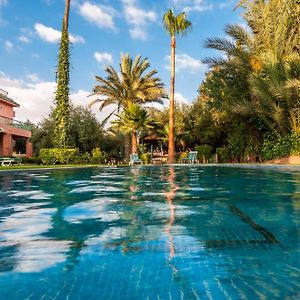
66 15
171 148
133 142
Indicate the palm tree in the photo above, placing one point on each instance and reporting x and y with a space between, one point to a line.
175 25
134 84
272 70
132 121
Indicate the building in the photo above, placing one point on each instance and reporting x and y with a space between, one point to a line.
14 135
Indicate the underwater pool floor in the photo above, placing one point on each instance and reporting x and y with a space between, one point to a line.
162 232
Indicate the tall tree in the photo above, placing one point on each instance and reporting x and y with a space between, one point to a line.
133 84
175 25
62 102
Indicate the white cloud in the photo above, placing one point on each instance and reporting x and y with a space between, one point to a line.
193 5
8 46
36 98
186 62
138 19
6 81
24 39
137 16
84 98
138 33
100 15
179 98
51 35
33 77
104 58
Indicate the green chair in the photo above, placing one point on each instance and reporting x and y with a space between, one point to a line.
191 158
9 161
134 159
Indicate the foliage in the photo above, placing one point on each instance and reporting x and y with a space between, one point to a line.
132 84
132 121
98 157
86 132
31 160
223 154
58 156
204 150
274 147
146 158
62 105
255 83
82 158
176 25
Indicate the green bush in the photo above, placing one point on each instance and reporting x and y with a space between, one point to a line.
274 147
57 156
223 154
98 157
146 158
204 150
295 140
31 160
82 158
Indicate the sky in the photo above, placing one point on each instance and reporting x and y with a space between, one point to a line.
100 30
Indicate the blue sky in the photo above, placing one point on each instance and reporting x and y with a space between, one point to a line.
100 31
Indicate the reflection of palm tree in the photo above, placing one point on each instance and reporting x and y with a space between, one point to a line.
170 197
133 187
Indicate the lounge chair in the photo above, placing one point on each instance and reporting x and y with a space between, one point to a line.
134 159
9 161
191 158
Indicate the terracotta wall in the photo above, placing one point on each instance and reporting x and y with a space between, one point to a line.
6 110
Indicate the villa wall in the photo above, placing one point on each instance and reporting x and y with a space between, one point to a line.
6 110
15 131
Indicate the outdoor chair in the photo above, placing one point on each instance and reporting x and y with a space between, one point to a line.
9 161
191 158
134 159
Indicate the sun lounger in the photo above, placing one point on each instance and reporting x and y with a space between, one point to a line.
134 159
9 161
191 158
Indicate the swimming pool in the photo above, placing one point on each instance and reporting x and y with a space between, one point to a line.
162 232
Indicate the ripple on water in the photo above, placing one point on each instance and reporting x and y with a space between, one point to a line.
96 188
34 195
92 209
39 255
26 225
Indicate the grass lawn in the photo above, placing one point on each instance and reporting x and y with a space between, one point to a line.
32 166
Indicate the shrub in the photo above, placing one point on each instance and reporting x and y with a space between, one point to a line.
223 154
82 158
146 158
57 156
204 150
98 157
274 147
31 160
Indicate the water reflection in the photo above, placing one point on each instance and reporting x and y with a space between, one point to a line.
170 195
212 226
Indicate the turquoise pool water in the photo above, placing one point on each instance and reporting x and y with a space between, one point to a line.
181 232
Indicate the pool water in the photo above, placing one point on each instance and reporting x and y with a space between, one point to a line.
164 232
